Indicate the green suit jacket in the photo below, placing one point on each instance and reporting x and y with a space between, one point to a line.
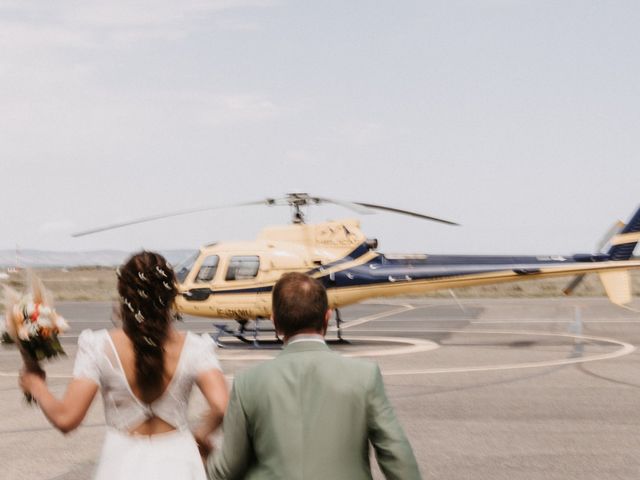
311 414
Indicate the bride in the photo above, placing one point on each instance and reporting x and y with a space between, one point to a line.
145 372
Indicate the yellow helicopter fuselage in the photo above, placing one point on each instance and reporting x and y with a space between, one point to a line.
241 274
234 280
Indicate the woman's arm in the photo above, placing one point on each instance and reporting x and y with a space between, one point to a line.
213 386
65 414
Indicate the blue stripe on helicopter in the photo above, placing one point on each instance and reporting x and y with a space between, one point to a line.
356 253
382 269
433 267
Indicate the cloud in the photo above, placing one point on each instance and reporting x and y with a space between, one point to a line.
237 25
65 61
29 36
152 13
232 108
29 24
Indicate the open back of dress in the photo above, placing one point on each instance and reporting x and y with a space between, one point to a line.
163 456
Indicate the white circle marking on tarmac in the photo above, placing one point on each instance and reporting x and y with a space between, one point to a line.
626 348
416 345
419 345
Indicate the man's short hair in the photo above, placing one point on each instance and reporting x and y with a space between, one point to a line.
299 303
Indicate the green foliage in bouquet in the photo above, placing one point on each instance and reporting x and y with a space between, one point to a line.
41 348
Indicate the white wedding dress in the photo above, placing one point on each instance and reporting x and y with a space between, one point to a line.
172 455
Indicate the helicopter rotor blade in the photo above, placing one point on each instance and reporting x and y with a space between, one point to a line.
165 215
577 280
295 200
356 207
406 212
613 230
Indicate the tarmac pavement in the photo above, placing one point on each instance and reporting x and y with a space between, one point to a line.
491 388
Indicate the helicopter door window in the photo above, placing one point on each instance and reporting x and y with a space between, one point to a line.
207 269
243 267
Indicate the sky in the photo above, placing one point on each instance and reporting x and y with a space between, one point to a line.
517 119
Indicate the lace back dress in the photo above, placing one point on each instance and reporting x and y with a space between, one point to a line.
163 456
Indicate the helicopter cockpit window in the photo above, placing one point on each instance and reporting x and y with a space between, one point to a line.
243 267
207 269
184 267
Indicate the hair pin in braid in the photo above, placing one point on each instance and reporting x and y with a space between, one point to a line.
149 341
128 304
139 317
142 293
161 301
167 286
161 271
142 277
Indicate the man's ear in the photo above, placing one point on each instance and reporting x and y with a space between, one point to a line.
325 323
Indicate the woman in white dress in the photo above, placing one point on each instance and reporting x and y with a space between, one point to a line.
145 372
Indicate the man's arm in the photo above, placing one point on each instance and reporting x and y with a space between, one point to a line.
393 451
233 459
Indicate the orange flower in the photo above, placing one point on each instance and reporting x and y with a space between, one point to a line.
36 313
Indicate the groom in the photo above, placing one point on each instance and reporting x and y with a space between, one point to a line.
309 413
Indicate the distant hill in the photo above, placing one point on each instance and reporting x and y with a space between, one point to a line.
97 258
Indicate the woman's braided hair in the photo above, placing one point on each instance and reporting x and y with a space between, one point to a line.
147 288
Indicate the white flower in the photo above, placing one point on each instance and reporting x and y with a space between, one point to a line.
30 309
61 323
44 322
33 330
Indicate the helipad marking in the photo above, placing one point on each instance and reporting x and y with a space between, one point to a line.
416 345
626 348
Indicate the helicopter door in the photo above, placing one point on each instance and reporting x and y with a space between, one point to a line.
238 292
208 269
202 283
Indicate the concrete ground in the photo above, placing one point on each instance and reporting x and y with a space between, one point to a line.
496 389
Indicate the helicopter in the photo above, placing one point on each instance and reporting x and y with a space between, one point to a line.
235 280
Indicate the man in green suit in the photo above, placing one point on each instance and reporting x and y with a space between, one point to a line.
309 413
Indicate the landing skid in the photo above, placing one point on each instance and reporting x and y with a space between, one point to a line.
250 336
340 340
246 336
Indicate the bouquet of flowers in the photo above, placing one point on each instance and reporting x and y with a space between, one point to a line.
33 325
